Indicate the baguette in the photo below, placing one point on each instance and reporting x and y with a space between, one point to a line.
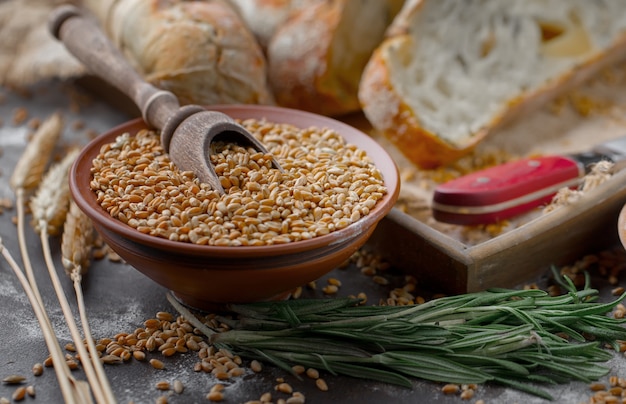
317 55
202 51
449 73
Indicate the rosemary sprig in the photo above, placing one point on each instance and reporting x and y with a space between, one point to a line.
518 338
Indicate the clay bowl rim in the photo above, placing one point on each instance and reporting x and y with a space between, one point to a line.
621 226
80 177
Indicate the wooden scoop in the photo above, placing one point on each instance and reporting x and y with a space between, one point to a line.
186 132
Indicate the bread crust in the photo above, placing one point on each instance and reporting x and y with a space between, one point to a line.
391 114
200 50
306 69
297 58
264 17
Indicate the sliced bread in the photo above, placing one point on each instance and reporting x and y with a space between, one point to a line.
451 72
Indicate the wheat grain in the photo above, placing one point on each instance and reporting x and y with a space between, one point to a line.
163 385
256 366
321 384
326 185
14 379
19 394
284 388
215 396
312 373
157 364
37 369
178 386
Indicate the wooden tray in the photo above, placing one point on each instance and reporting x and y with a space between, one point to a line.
556 238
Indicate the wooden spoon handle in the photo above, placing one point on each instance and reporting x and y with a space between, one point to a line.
86 41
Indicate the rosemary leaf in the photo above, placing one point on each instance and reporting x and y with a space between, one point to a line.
561 324
588 349
486 336
289 343
525 387
496 296
573 367
481 361
301 307
371 373
605 332
432 367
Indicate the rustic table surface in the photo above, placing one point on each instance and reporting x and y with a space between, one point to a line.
120 299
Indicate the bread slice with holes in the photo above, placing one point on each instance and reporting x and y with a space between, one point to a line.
450 73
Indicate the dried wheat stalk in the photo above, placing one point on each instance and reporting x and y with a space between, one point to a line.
73 391
49 208
26 176
76 245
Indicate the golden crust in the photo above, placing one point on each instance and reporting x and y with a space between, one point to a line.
264 17
394 119
314 61
298 65
200 50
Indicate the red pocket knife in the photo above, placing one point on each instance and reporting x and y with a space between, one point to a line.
510 189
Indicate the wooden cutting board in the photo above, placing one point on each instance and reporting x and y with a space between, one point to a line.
457 259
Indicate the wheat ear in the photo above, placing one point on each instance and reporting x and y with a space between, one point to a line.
37 155
49 208
50 203
26 175
76 245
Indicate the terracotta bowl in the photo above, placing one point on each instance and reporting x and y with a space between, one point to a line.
208 276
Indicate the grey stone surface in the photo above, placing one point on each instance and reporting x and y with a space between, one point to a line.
119 299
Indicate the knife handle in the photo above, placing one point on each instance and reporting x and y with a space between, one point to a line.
503 191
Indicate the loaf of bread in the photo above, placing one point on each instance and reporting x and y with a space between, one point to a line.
317 55
200 50
264 17
451 72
